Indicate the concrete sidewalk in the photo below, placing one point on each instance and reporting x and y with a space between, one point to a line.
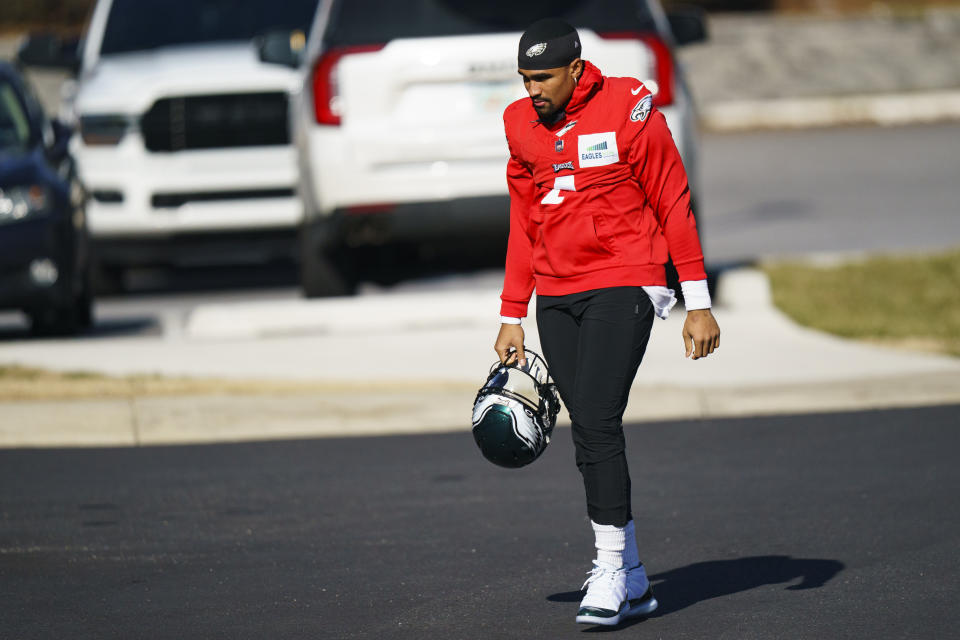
406 363
792 71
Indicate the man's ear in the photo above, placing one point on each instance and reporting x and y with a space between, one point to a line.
576 69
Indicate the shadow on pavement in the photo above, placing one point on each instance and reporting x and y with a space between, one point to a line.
680 588
114 327
198 279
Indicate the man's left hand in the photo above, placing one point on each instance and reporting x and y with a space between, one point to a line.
701 333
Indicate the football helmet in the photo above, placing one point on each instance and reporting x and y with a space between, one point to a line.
515 411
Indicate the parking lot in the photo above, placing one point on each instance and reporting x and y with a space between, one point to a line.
220 456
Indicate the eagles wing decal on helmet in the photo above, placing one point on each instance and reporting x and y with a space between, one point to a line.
523 429
515 411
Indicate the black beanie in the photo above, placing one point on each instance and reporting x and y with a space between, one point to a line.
548 44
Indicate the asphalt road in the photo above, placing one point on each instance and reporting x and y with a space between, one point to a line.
820 526
771 193
830 190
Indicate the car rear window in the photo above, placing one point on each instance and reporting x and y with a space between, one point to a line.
354 22
137 25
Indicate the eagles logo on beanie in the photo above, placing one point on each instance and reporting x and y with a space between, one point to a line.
548 44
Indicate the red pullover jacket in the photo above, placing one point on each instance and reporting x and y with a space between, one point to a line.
597 198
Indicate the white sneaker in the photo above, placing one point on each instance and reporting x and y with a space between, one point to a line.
639 593
606 599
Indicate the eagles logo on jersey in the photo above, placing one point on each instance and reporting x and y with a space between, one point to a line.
642 109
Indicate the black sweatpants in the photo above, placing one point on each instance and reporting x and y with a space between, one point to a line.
593 343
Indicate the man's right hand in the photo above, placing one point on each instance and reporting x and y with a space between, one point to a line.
510 336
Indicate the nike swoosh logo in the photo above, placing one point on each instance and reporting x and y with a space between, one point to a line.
637 90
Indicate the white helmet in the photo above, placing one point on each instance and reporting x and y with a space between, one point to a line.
515 412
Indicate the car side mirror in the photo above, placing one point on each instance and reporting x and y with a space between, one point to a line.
688 24
50 51
281 47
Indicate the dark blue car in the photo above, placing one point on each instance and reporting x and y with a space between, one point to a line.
44 248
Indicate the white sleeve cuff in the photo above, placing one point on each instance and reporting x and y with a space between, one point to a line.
509 320
696 295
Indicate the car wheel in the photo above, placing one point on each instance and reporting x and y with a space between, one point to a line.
325 272
66 317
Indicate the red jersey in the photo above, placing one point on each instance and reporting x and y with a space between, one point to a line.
597 198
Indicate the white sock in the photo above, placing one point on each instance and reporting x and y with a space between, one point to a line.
631 555
610 542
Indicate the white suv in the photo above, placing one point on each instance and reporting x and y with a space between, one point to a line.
398 119
184 141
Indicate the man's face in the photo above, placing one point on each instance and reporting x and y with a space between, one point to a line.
550 89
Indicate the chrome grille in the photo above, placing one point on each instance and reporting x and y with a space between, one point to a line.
217 121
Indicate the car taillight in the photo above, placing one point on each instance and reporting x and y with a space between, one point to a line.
370 209
326 94
663 63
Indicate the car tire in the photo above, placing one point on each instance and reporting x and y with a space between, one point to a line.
66 318
108 280
83 304
324 272
59 320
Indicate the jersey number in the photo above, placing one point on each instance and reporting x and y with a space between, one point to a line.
561 183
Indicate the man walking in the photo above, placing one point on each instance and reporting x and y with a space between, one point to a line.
598 197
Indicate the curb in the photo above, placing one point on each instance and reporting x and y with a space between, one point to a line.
821 377
890 109
206 419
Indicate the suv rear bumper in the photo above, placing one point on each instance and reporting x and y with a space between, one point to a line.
196 249
460 218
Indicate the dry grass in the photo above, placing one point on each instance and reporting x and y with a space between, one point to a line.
903 301
26 383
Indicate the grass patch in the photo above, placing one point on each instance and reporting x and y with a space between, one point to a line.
907 301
